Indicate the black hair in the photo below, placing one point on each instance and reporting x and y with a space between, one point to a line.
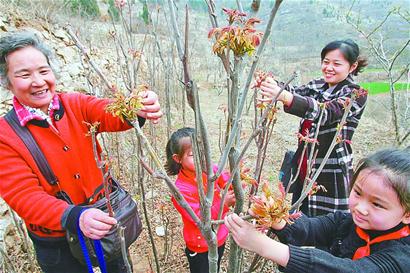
15 41
394 165
350 51
175 146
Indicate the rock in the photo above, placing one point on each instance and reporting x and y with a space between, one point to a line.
5 221
151 195
61 34
68 54
160 231
74 69
3 26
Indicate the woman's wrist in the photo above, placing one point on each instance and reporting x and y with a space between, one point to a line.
286 97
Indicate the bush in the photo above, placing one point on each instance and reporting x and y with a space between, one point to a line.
113 11
85 8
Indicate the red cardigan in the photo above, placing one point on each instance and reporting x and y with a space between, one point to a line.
70 155
186 183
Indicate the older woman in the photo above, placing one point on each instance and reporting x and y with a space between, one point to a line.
340 62
56 121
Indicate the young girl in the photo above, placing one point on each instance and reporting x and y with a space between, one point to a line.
180 161
373 238
340 61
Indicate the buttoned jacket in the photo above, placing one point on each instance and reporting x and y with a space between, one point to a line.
68 149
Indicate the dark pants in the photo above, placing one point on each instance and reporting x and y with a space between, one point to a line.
297 188
57 258
198 262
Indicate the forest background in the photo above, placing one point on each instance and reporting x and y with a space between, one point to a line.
300 30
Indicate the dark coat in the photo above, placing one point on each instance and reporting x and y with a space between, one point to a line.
336 241
338 170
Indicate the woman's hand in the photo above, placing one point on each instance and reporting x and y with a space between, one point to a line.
95 223
230 198
269 89
244 233
151 108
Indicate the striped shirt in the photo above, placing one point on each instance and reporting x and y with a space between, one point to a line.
337 172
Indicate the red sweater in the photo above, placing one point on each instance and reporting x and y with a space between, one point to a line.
70 155
186 183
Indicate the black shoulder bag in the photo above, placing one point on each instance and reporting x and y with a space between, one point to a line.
124 207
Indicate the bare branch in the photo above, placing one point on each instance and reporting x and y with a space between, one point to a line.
404 71
238 3
243 217
405 137
381 24
245 89
211 11
397 53
87 56
175 28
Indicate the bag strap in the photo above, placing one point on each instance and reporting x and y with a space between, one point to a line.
32 146
98 251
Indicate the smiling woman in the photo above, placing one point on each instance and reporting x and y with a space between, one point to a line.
58 120
340 61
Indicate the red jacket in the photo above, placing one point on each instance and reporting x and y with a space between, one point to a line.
70 155
186 183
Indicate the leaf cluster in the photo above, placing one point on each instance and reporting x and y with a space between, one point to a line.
125 107
271 207
240 35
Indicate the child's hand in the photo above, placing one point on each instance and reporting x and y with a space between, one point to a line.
244 233
230 198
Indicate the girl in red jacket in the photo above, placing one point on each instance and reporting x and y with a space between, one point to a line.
180 161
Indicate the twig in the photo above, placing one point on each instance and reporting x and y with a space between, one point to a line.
174 191
87 56
245 89
294 178
101 165
124 248
147 221
243 217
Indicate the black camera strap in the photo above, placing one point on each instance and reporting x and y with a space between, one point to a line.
32 146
